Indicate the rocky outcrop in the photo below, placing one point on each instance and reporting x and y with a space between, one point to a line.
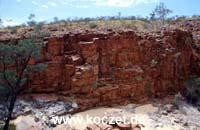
115 66
102 68
193 26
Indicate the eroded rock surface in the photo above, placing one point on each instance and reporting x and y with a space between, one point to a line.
110 67
116 66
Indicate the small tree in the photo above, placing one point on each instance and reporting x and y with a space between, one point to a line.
1 23
31 21
119 15
55 19
161 11
152 16
15 70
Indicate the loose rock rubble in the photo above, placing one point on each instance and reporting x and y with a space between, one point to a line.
42 110
114 120
130 117
171 119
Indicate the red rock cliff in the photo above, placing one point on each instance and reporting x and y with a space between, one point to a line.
111 67
115 66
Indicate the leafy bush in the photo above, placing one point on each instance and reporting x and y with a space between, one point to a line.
31 23
177 99
193 90
93 25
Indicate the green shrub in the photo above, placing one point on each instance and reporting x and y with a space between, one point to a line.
3 94
148 89
94 85
177 99
193 90
177 55
154 63
139 78
11 127
93 25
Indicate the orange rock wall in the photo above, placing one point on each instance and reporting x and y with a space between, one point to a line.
115 66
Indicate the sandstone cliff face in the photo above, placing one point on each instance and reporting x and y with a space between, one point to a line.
101 68
115 66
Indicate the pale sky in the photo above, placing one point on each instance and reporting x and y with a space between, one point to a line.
14 12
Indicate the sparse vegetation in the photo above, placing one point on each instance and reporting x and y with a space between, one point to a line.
131 22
